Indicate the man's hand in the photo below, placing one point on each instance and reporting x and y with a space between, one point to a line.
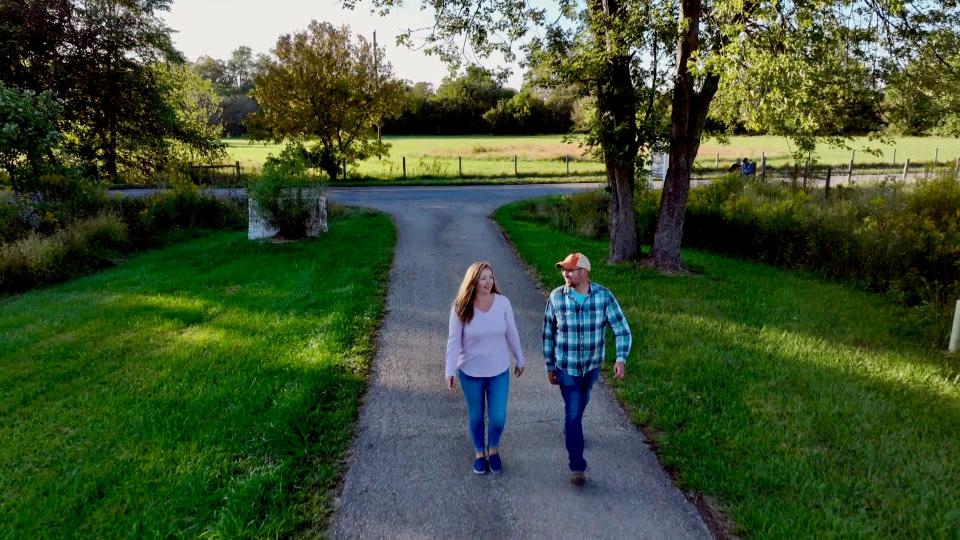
552 375
618 370
450 382
518 371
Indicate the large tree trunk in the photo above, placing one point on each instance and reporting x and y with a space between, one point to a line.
616 106
688 115
621 213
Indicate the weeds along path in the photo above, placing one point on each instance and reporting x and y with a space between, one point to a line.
410 466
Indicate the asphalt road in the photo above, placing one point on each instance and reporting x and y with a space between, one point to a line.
409 470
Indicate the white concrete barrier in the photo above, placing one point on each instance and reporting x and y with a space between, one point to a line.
259 228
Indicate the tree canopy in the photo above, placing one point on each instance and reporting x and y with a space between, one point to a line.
99 58
780 67
325 86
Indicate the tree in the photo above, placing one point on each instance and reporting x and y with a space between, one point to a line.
98 58
233 113
323 85
215 71
785 64
195 104
240 69
922 95
28 134
714 45
463 100
526 113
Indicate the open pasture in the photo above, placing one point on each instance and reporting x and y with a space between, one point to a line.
546 155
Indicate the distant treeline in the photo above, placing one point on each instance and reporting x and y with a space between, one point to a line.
477 102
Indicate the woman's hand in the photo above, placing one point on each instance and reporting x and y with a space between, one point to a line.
450 382
518 371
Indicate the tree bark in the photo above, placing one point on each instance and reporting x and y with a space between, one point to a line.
688 115
616 106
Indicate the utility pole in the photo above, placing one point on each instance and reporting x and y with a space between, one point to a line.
376 74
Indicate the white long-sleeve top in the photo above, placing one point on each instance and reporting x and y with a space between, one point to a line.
482 347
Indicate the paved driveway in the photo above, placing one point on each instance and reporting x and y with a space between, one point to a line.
409 470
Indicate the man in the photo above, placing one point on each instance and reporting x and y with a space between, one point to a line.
573 347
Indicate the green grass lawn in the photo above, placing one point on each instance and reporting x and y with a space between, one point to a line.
808 408
492 156
206 389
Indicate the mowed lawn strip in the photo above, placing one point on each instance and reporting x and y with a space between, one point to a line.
209 388
808 408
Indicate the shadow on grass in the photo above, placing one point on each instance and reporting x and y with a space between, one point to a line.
808 407
210 388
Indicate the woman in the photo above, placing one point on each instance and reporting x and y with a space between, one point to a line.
482 335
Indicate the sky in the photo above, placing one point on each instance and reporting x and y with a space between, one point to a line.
216 27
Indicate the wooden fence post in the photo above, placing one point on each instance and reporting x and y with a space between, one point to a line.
894 156
763 166
826 189
956 170
238 171
566 160
936 155
906 167
717 163
404 166
515 173
460 166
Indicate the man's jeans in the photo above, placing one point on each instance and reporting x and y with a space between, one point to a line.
486 394
576 395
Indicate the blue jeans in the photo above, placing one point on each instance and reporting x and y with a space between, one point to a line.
576 395
486 394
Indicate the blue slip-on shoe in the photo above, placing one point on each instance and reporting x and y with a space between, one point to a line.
480 465
494 461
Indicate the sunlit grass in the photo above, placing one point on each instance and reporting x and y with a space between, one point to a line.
210 388
809 409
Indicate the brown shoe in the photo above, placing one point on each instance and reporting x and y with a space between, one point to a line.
578 478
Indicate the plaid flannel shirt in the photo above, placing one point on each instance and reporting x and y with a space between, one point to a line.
573 334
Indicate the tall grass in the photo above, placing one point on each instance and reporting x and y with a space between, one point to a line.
76 243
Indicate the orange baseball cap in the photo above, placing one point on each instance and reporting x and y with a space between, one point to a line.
574 261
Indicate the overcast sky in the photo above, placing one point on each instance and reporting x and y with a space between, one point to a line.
217 27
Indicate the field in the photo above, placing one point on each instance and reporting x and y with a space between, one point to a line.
208 389
491 156
807 409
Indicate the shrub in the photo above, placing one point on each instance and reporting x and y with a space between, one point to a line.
888 237
77 249
588 213
171 214
61 199
13 222
279 195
